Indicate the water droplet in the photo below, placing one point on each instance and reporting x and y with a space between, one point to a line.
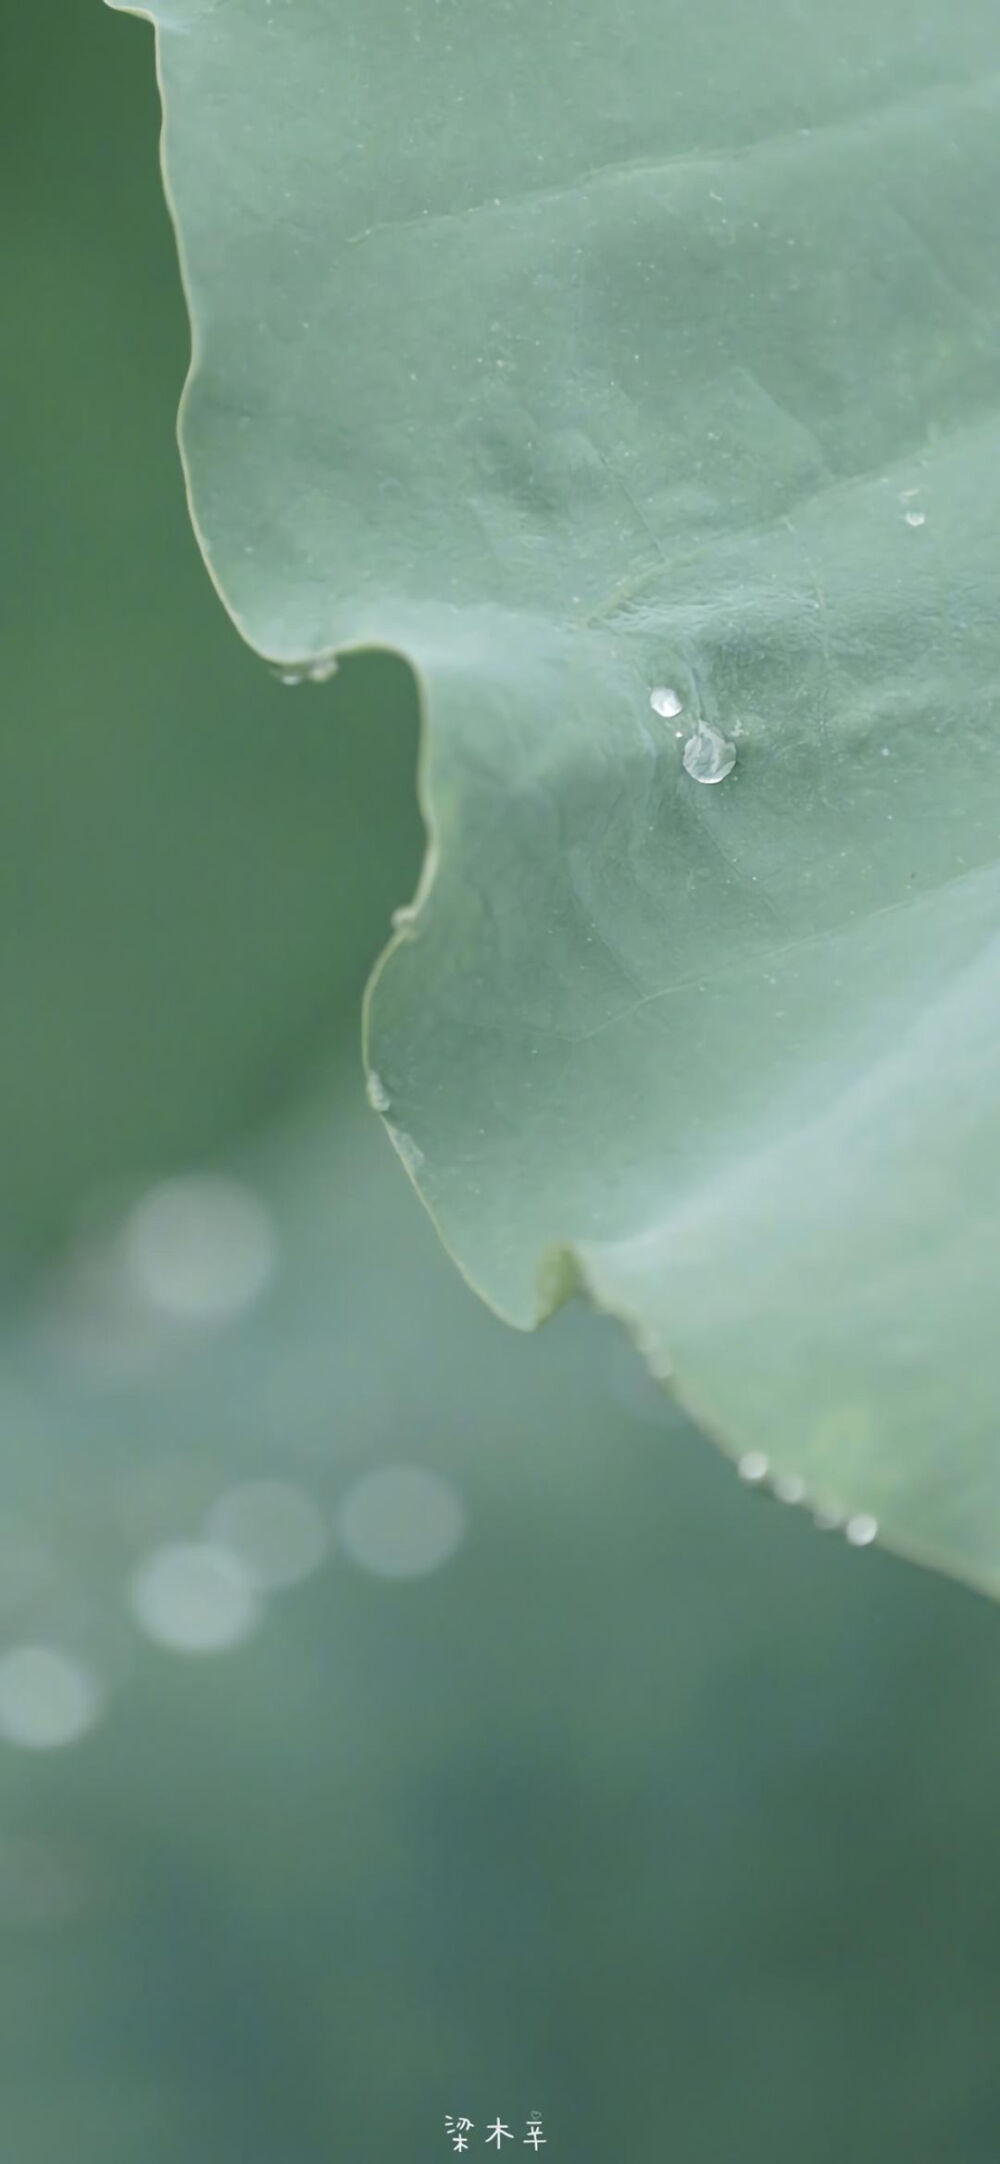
47 1698
861 1529
752 1466
788 1487
665 701
317 671
403 916
378 1095
193 1597
708 755
401 1521
915 518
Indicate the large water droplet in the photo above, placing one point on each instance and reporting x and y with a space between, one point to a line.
708 755
665 701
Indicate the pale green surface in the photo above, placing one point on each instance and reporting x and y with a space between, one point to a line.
573 351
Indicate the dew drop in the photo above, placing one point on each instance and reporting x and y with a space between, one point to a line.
317 671
752 1466
861 1529
665 701
378 1095
708 756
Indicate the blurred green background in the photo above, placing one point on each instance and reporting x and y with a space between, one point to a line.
569 1775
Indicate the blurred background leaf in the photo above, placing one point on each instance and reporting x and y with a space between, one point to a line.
639 1802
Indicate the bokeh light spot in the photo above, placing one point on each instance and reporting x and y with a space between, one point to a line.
272 1528
47 1697
401 1521
193 1597
199 1249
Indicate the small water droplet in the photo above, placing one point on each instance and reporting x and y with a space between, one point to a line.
861 1530
310 672
378 1095
915 518
403 916
789 1487
664 700
752 1466
708 756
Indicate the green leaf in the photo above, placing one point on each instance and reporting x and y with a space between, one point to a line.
582 352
